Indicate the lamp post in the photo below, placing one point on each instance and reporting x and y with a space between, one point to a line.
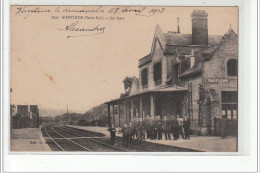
12 111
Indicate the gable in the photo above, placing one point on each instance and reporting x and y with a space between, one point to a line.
157 51
134 87
158 37
216 65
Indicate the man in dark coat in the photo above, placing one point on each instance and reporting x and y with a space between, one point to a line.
126 133
147 127
152 126
137 128
160 131
131 132
175 128
134 129
156 127
166 124
143 129
112 131
180 123
186 126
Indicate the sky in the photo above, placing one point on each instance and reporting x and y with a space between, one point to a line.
52 70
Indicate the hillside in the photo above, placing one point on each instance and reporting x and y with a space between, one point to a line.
95 116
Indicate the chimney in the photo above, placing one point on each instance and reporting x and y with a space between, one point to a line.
199 27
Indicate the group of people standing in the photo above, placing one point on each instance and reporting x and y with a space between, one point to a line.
153 128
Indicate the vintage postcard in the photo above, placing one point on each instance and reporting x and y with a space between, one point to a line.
123 79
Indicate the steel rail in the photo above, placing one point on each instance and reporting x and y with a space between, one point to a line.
111 146
53 139
119 143
145 145
71 140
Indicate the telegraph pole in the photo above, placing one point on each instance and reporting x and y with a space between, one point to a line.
67 114
178 28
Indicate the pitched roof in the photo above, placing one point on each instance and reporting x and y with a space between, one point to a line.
186 39
214 47
210 50
145 60
177 39
195 69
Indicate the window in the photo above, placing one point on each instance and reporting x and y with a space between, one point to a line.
229 104
229 97
157 72
144 77
232 67
206 56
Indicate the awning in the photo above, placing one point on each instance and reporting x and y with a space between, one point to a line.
171 89
160 90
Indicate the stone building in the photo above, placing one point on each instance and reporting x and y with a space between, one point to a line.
25 116
187 74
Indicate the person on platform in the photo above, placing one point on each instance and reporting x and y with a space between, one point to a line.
134 130
147 127
223 126
166 125
126 133
152 127
142 129
186 126
180 122
175 128
137 128
131 132
160 131
156 126
112 131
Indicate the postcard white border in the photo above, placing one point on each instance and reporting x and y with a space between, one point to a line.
243 161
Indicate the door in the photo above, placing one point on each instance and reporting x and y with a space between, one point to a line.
229 111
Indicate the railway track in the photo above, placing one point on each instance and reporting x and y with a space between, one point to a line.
135 146
64 138
106 141
62 142
118 142
61 139
92 138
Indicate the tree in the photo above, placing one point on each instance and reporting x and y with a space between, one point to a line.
127 83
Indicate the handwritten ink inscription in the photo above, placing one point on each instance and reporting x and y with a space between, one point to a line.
77 16
76 28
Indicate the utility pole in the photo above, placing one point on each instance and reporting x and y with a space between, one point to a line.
67 114
178 28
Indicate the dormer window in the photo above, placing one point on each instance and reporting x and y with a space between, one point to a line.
144 77
232 67
157 73
206 56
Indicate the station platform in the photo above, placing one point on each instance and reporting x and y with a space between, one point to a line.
28 140
202 143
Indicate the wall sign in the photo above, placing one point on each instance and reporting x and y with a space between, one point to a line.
216 80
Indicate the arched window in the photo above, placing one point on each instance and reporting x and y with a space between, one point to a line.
232 67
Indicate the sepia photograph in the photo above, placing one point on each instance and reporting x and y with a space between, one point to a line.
124 79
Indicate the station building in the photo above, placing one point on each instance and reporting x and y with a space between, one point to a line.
186 74
25 116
